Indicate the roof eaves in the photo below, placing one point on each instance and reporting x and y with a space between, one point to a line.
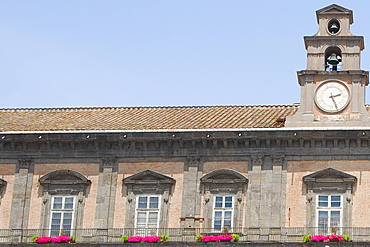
188 130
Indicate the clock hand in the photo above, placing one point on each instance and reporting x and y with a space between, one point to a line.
335 95
332 97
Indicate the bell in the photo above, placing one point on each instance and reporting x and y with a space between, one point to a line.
334 28
333 59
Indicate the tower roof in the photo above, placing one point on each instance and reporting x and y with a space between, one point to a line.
334 9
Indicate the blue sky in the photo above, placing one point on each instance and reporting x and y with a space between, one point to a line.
87 53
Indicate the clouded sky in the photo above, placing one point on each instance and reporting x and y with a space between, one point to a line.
85 53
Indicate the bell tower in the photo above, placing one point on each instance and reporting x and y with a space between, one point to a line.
333 85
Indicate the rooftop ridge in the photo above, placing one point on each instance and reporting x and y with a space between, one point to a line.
135 107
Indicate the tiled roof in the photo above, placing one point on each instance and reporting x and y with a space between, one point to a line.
144 118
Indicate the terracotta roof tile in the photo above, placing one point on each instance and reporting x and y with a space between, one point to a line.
144 118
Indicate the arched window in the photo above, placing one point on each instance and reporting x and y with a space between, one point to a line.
223 192
333 59
64 194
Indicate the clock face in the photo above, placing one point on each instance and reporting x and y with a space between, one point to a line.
332 97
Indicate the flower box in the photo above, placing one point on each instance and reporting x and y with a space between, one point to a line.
146 239
326 238
59 239
218 238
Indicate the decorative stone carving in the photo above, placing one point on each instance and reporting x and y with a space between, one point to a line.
257 159
108 162
25 163
278 159
193 161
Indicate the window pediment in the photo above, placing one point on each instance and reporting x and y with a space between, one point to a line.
148 177
64 182
64 176
329 175
224 181
329 180
224 176
149 181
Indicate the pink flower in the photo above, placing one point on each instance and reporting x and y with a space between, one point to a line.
61 239
43 240
151 239
225 237
319 238
217 238
209 238
136 239
335 237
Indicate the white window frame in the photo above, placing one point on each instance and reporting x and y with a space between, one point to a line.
63 210
223 209
147 210
329 209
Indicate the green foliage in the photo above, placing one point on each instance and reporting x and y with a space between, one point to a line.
306 238
63 233
34 238
164 237
346 237
235 237
124 239
199 237
73 239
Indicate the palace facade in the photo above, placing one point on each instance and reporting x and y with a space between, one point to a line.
214 168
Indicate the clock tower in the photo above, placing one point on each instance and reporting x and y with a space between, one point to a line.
333 85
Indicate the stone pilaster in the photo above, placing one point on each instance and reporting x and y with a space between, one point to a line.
105 200
191 195
278 195
21 195
254 197
266 198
